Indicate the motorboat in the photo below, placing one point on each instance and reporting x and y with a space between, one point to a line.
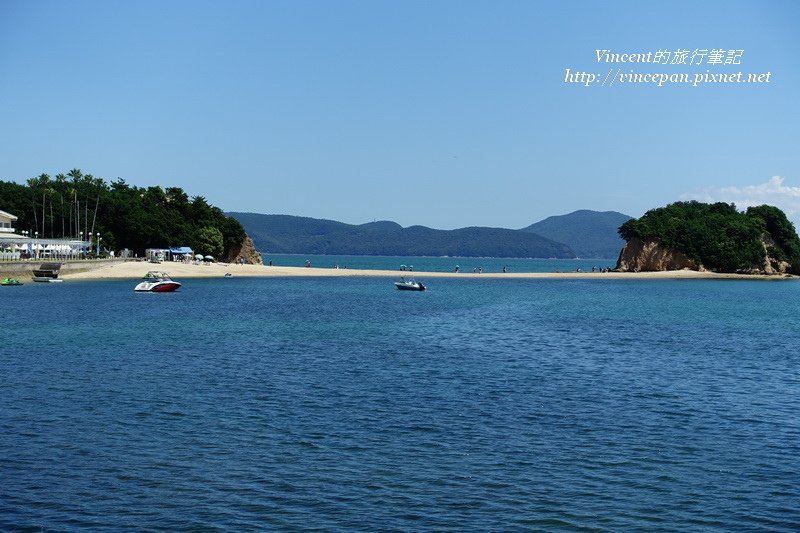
47 272
10 282
409 285
155 281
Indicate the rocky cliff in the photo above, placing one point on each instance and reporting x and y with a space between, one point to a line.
247 251
772 265
651 255
648 256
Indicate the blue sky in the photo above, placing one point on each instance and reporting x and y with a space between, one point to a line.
444 113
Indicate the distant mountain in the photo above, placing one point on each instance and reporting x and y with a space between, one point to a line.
590 234
301 235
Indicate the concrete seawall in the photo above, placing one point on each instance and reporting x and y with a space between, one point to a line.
24 269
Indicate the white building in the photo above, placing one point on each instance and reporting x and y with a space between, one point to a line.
6 221
14 246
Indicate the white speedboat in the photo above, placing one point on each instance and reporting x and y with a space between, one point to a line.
409 285
155 281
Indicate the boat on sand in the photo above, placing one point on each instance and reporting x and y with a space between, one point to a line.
47 272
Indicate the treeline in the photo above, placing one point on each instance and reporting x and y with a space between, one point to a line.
718 236
76 205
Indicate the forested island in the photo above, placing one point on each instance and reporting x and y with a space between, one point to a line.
714 237
292 234
75 205
584 233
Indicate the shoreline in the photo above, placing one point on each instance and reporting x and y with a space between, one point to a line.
136 269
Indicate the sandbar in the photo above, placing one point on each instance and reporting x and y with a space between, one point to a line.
137 269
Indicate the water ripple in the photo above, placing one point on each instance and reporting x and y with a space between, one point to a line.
343 405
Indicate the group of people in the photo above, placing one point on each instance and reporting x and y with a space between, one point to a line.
596 269
477 270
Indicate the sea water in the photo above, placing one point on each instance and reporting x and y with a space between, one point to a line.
439 264
345 405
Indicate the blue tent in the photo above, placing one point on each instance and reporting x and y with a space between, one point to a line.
180 252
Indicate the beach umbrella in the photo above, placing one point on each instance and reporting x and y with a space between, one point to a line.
208 258
198 257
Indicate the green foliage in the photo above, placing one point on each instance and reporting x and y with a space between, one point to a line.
786 245
209 241
125 216
717 235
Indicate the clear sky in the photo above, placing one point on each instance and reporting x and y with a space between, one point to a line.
440 113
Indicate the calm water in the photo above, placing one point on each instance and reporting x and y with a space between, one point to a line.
346 405
440 264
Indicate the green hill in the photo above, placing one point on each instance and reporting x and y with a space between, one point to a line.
720 237
590 234
291 234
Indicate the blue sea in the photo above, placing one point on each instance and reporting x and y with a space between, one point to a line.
439 264
342 404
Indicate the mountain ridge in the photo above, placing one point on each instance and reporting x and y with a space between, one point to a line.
590 234
294 234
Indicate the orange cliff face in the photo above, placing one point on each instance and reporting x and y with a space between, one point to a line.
246 251
651 256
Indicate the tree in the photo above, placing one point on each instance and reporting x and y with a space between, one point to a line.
127 216
209 241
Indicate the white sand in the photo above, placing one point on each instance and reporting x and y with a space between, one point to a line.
137 269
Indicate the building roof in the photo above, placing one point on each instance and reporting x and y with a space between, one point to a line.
9 215
181 250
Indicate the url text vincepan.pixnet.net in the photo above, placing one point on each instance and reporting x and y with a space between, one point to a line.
702 66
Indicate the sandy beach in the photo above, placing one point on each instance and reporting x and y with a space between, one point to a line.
136 269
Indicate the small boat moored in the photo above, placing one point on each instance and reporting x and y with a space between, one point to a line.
10 282
409 285
47 272
155 281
